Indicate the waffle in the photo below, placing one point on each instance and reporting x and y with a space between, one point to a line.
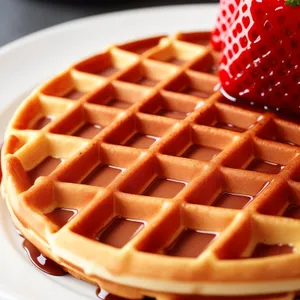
133 172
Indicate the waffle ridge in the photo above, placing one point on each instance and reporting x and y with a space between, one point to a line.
104 97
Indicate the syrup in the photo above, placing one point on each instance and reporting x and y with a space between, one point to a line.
42 122
88 131
264 166
233 200
172 114
50 267
176 61
285 142
196 93
229 126
61 216
102 175
190 243
109 72
74 95
46 167
264 250
147 82
201 152
293 211
164 187
40 261
213 69
142 141
119 103
119 231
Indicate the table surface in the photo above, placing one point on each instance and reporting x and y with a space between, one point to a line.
21 17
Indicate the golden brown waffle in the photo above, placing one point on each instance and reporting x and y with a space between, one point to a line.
131 171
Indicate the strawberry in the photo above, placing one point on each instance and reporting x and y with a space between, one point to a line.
261 56
224 20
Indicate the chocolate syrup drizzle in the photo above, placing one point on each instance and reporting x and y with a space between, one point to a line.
50 267
40 261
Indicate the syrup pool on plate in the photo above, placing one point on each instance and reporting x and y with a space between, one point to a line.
40 261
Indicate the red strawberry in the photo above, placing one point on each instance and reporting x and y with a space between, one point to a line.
261 57
224 20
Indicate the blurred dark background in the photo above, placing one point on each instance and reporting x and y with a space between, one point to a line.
21 17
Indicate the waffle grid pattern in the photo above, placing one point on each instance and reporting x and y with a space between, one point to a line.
178 74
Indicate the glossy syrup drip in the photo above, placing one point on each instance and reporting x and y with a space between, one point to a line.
50 267
40 261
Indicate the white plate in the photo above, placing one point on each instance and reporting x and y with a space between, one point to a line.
31 60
